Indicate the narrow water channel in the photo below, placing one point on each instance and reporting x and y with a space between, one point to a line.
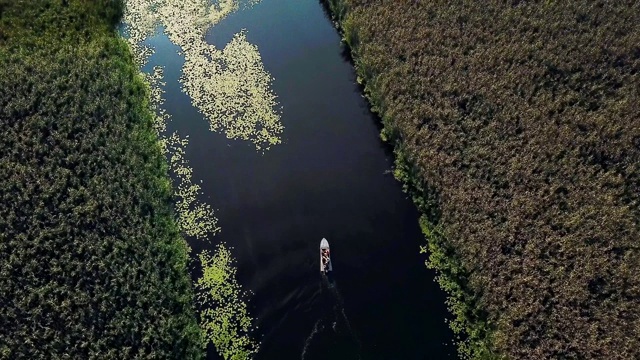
329 178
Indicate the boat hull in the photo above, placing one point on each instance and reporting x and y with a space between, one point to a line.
324 244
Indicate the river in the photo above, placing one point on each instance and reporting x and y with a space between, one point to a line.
329 178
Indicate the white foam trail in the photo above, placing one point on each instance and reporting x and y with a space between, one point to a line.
340 305
339 316
310 337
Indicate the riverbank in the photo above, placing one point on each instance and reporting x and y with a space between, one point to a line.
527 144
326 179
93 263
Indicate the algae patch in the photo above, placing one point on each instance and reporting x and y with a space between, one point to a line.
232 89
229 86
226 321
195 218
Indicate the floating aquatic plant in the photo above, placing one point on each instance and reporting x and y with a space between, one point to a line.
229 86
140 20
225 319
194 217
155 86
236 76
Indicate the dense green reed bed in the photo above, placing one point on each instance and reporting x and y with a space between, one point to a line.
524 120
92 264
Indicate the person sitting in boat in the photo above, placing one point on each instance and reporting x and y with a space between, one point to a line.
325 257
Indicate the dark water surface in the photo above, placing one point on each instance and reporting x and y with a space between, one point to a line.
329 178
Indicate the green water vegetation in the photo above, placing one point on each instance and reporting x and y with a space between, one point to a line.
224 317
519 123
229 86
92 264
226 321
195 218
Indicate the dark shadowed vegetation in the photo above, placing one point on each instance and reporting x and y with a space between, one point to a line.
523 118
92 264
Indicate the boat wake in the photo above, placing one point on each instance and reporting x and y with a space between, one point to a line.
332 331
307 341
339 304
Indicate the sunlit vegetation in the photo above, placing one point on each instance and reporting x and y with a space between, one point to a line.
224 317
92 264
232 90
517 130
195 218
226 322
229 86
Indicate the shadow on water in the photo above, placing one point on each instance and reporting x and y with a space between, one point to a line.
345 53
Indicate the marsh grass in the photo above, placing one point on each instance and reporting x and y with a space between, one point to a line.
524 117
92 264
